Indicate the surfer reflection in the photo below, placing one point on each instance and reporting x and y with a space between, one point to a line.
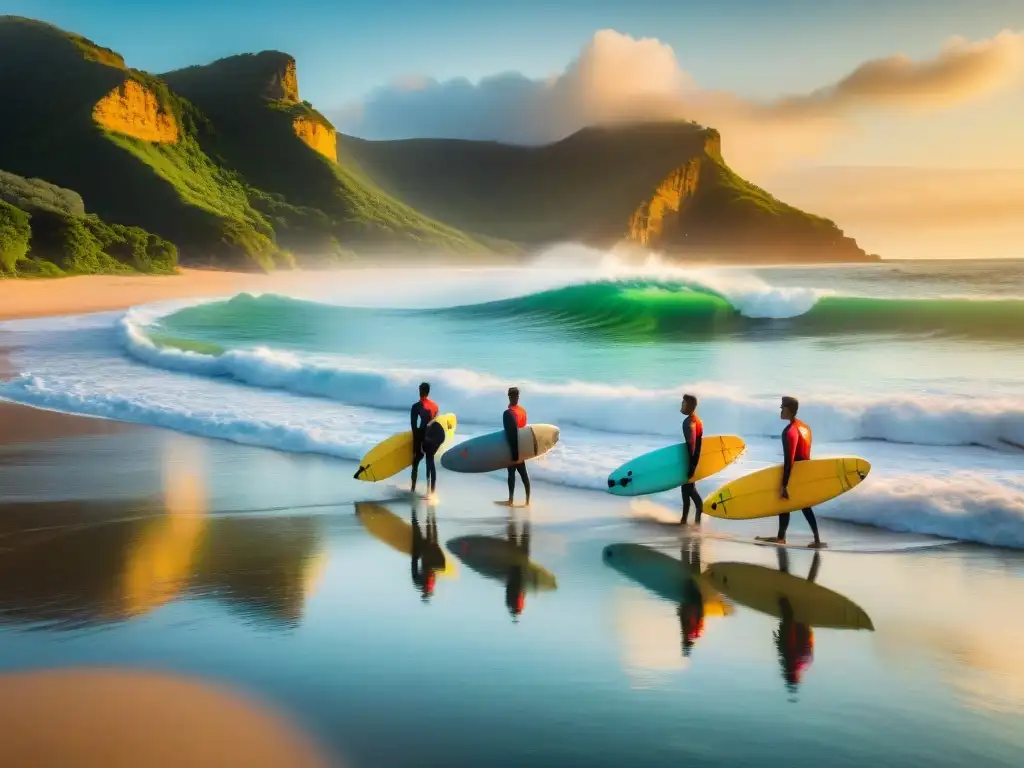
518 538
691 606
427 557
794 640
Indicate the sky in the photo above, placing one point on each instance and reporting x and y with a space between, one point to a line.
789 82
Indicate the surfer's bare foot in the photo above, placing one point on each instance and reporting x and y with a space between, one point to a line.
771 539
817 545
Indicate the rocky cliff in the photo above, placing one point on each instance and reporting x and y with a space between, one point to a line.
662 186
134 110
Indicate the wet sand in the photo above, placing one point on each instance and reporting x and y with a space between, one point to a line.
279 578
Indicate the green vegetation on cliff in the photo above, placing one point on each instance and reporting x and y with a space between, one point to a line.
44 230
252 100
663 185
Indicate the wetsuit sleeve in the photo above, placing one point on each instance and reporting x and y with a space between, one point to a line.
508 421
788 453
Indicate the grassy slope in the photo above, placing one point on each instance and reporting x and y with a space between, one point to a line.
233 92
586 187
51 80
45 230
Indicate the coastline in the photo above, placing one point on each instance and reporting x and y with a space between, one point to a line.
83 294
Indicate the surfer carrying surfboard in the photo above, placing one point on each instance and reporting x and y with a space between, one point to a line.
425 440
512 421
796 446
693 437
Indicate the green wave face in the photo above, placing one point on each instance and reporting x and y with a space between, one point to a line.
635 312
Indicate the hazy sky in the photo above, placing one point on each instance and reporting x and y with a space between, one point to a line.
780 78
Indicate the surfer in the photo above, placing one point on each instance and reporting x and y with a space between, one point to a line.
691 608
796 446
513 420
794 640
425 438
693 436
427 558
515 580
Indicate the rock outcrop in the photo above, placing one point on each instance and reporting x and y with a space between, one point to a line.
318 135
134 110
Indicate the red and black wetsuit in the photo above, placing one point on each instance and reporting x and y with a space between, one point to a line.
425 439
796 446
512 421
693 438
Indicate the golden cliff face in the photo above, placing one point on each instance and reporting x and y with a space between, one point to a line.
134 110
284 86
650 222
318 136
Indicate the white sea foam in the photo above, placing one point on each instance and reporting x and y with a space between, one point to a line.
477 398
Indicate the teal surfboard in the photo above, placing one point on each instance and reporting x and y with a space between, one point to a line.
667 468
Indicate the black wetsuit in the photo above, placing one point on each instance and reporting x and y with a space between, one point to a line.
693 439
425 440
796 446
513 419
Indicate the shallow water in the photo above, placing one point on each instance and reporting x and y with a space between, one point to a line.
251 567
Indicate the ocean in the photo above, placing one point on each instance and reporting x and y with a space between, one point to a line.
916 366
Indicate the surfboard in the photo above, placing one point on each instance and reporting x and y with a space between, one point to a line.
487 453
663 575
811 482
389 528
666 468
391 456
493 557
760 589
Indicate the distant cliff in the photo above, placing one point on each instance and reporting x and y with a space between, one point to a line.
661 186
226 162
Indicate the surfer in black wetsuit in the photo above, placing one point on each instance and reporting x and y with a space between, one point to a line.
796 446
691 609
512 421
693 438
794 640
427 557
427 436
515 580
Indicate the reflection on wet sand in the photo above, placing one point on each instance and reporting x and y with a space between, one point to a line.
427 559
799 605
70 564
641 625
108 717
506 560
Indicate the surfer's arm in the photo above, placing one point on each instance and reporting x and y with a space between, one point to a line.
508 421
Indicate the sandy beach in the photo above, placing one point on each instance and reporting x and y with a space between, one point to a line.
98 293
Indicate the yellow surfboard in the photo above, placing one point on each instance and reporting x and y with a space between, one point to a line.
811 482
391 456
761 589
388 527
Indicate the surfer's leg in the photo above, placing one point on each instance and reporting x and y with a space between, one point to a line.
686 503
417 455
521 468
813 522
511 484
696 500
431 451
783 527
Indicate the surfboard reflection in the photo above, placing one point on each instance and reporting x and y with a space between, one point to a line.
799 604
506 560
427 560
678 581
